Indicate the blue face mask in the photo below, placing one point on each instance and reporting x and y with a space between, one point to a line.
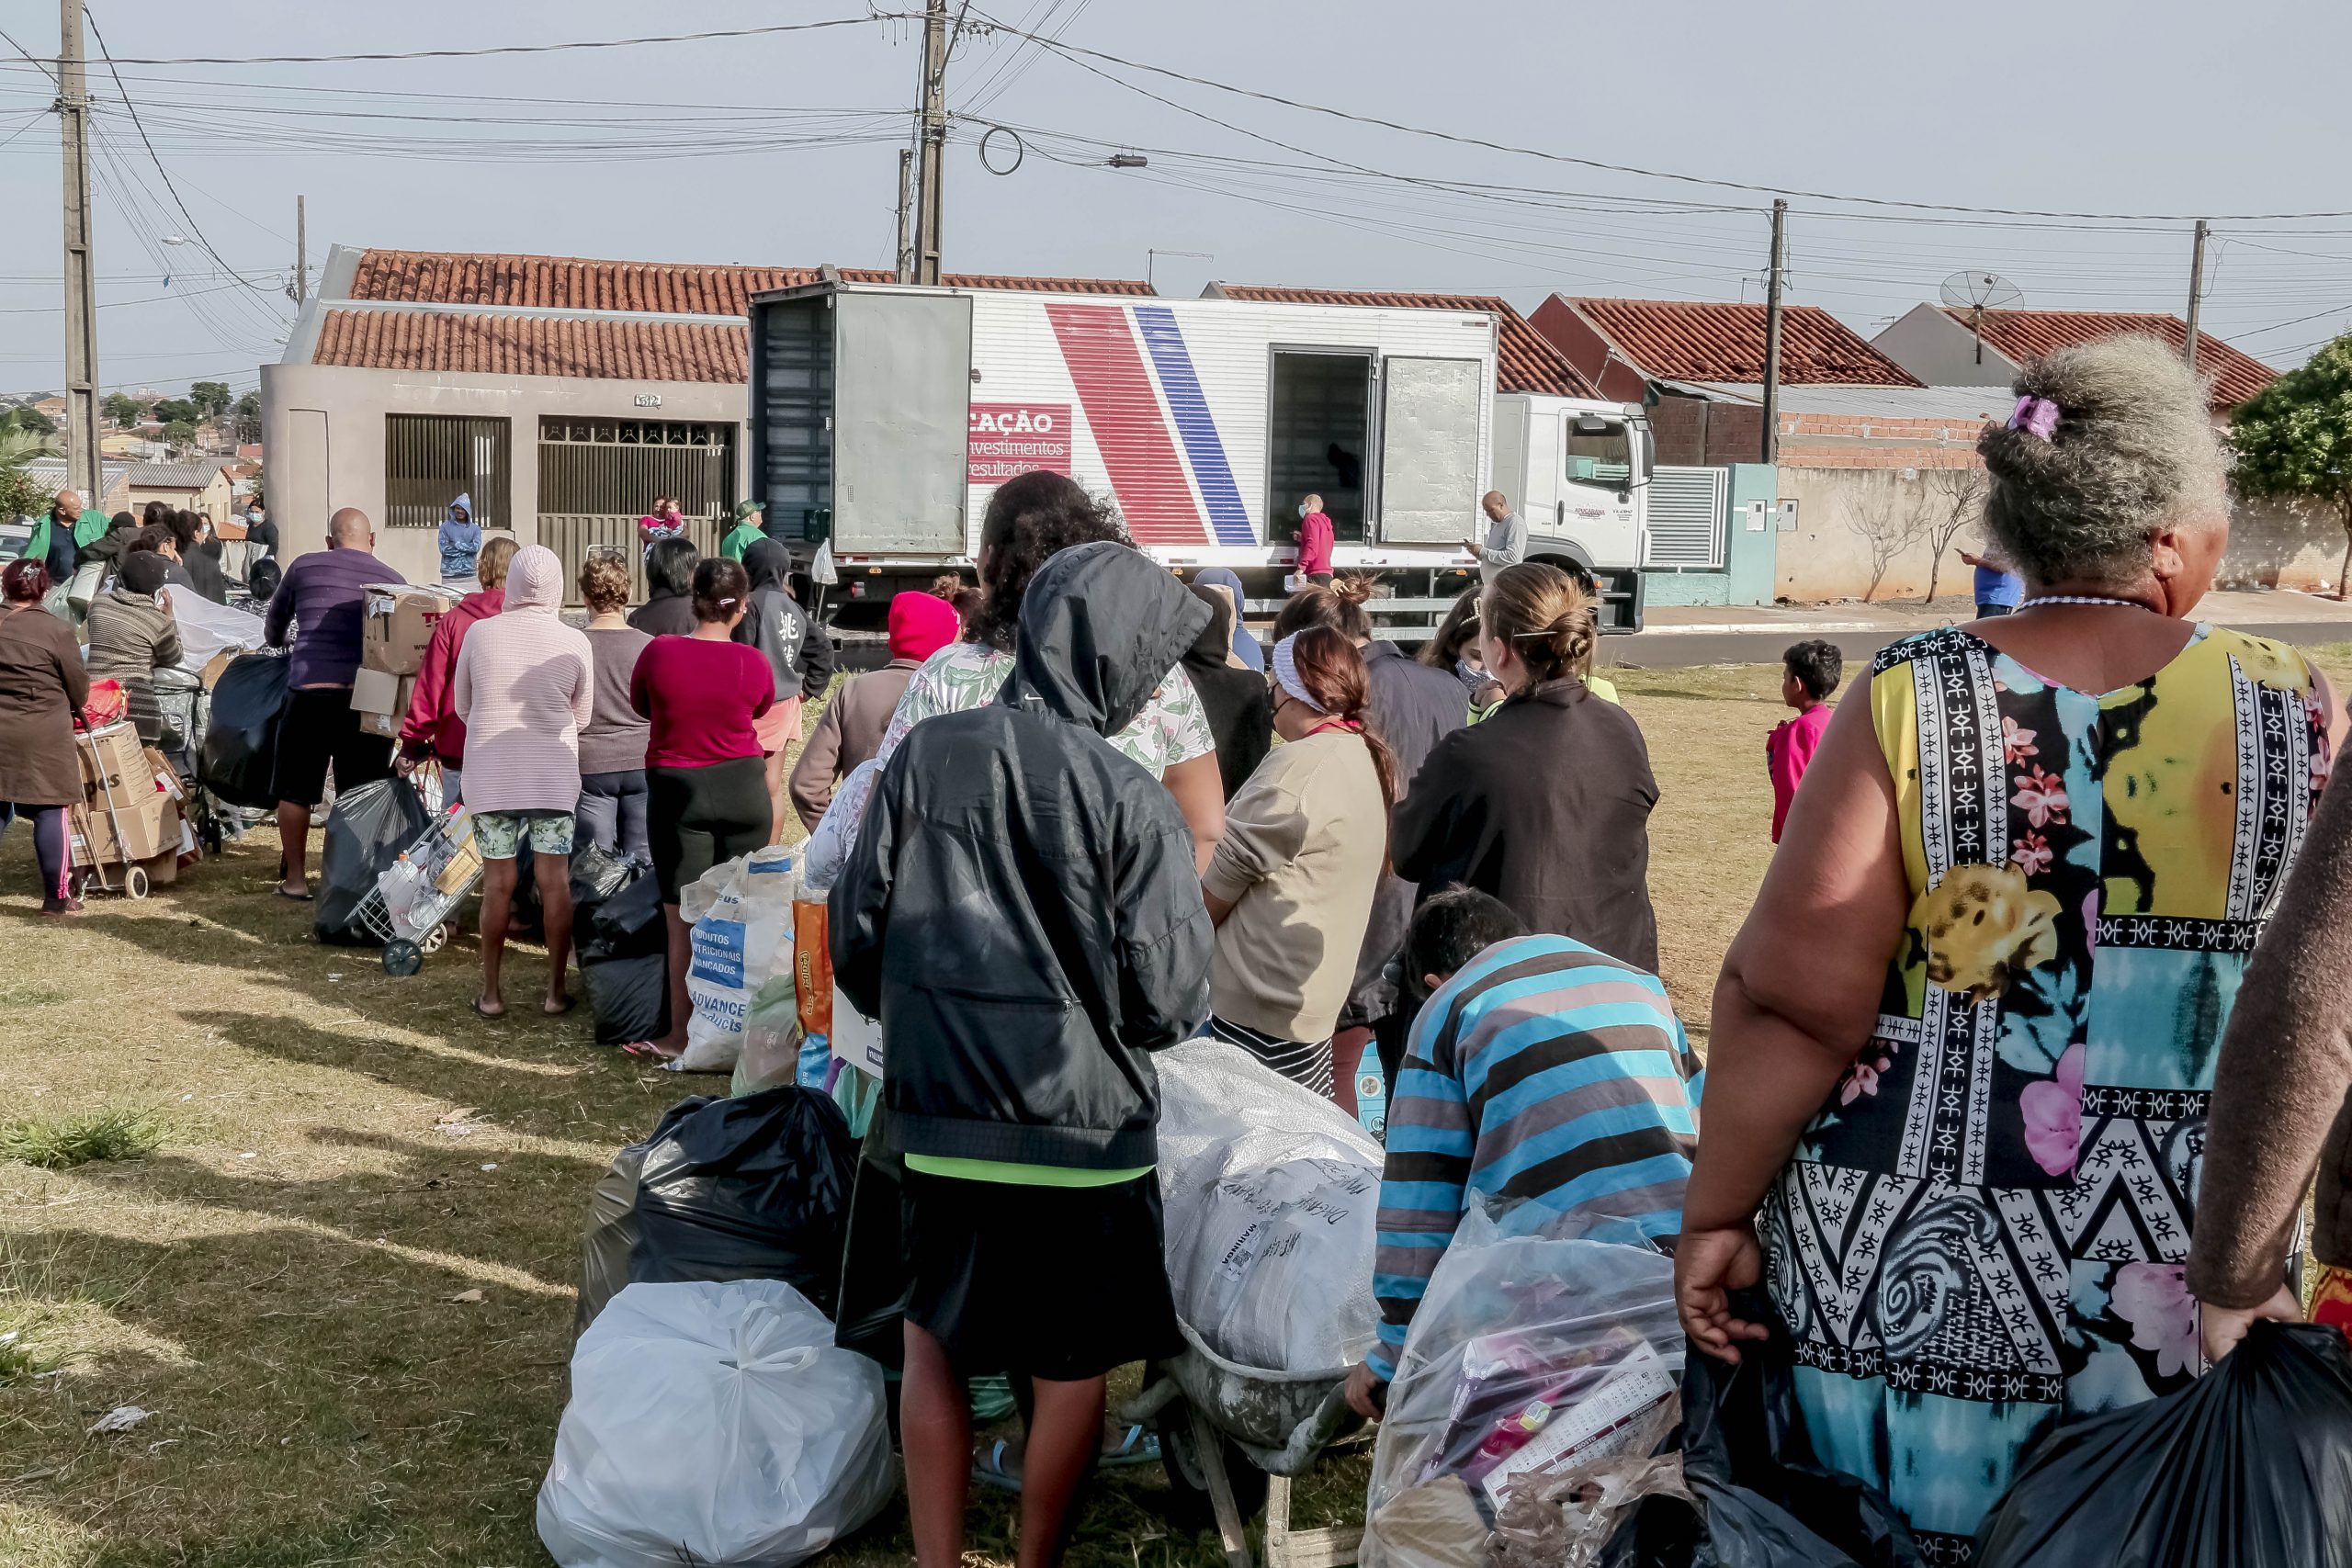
1301 509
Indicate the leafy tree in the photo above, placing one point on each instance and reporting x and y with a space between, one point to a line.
31 421
247 417
20 494
258 498
121 408
175 411
180 432
2294 441
210 397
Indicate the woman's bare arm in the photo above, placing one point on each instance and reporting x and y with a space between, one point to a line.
1199 790
1797 1003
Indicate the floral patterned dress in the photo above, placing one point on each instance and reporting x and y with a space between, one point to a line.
1174 726
1984 1229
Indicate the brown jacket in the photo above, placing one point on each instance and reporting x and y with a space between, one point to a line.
42 687
848 732
2279 1087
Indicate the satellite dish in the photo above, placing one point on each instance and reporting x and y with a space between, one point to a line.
1977 292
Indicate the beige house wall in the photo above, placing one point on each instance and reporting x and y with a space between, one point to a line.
324 428
1828 556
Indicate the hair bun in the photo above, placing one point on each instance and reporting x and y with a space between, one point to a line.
1355 588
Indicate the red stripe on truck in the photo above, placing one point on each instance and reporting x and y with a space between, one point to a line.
1098 345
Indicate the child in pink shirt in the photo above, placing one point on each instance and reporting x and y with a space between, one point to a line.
1812 673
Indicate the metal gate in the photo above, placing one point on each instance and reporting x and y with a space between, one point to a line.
1690 515
431 458
616 466
573 535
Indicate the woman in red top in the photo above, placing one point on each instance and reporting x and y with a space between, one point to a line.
1314 537
705 778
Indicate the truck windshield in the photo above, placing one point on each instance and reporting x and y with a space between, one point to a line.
1599 452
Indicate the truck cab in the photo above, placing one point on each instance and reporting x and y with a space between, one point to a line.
1579 472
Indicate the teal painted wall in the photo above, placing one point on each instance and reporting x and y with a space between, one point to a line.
1748 559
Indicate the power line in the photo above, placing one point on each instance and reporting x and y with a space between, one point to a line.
1070 51
506 48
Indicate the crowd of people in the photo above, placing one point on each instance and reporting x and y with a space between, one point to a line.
2056 911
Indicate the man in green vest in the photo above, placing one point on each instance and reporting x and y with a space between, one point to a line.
58 537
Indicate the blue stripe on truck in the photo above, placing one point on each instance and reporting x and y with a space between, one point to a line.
1194 426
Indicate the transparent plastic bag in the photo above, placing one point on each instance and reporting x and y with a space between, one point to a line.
1540 1369
1269 1194
714 1423
743 955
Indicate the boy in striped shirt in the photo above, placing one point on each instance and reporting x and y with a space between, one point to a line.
1540 1072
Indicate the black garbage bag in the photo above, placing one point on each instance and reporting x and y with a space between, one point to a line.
366 833
1759 1504
623 947
596 874
2249 1466
609 1233
750 1188
240 754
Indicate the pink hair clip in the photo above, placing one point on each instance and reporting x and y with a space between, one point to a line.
2035 416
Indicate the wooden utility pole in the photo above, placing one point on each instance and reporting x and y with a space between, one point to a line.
2196 295
1772 338
83 474
905 258
302 255
929 205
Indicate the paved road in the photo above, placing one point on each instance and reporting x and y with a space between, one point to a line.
1681 650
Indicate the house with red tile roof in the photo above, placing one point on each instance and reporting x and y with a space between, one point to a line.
1629 348
561 394
1950 347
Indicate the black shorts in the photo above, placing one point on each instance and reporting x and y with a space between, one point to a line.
1062 1284
318 727
698 817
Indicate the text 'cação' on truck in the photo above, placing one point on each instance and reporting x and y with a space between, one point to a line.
883 416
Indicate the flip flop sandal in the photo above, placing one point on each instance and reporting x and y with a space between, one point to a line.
484 1012
291 898
989 1469
1138 1447
569 1003
644 1050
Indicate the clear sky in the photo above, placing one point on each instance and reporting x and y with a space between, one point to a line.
781 149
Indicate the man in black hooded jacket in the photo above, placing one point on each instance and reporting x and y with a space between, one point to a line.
1023 913
796 648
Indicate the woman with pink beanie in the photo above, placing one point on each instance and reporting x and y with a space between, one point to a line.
525 686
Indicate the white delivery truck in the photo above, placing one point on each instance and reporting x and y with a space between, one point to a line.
883 416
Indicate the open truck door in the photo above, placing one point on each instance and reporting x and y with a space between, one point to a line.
1430 481
873 386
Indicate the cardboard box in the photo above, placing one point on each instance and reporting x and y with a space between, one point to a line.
112 757
167 777
397 621
150 828
381 701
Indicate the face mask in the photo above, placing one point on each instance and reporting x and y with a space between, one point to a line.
1301 509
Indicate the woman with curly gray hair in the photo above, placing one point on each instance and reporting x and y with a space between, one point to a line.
1963 1046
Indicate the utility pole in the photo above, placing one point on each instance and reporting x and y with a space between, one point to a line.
1772 338
302 255
929 205
2196 295
905 257
83 474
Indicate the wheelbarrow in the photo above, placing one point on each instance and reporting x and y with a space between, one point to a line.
1234 1438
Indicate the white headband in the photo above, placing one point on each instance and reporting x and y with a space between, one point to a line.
1286 673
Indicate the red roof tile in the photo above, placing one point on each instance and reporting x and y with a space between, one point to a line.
1680 340
2020 335
573 282
1526 363
532 346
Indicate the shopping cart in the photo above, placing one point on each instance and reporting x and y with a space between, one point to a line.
409 910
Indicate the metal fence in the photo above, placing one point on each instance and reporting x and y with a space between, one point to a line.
1689 516
608 467
573 535
430 459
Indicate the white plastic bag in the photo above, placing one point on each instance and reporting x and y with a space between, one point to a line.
742 954
1532 1361
714 1423
1269 1194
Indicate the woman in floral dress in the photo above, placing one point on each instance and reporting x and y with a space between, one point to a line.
1963 1046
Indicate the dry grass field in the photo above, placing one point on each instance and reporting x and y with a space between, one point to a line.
323 1224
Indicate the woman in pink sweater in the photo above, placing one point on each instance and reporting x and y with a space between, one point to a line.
525 685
